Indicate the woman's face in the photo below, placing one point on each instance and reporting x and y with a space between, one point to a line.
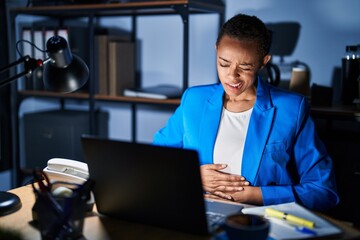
238 63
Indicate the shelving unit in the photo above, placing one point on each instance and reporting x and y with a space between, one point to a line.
183 8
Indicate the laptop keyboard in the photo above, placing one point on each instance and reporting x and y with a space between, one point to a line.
216 213
215 220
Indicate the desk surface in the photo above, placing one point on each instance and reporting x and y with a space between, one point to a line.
97 227
340 112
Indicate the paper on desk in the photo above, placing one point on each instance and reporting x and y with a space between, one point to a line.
281 230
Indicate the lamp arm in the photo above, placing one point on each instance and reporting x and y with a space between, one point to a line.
30 64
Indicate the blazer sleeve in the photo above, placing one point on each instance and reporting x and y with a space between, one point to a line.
314 180
172 134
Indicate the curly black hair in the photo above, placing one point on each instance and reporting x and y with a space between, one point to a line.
245 27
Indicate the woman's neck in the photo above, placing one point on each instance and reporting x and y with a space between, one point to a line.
240 103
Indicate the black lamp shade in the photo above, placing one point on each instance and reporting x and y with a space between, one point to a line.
67 79
65 72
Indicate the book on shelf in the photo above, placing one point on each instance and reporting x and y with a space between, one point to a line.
48 33
27 49
38 38
27 36
121 67
63 32
102 40
33 36
161 91
101 63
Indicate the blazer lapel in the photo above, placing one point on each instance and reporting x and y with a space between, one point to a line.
209 125
258 132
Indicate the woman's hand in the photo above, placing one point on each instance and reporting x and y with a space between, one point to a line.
250 195
221 184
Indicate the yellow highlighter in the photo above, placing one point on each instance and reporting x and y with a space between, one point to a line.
270 212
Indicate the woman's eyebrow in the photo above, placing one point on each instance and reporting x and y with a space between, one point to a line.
247 64
240 65
224 59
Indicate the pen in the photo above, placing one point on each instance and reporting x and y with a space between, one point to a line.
288 217
288 225
305 230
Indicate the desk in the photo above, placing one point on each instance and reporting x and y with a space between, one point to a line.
336 112
338 127
97 227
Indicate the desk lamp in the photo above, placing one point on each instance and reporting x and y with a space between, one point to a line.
63 72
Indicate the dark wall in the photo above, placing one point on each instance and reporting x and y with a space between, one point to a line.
5 126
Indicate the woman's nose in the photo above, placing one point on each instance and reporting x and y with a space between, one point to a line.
233 71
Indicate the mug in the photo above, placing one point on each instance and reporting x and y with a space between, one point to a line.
300 81
246 226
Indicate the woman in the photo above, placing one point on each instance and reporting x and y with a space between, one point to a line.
257 143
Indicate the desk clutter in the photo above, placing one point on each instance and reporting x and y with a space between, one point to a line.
60 207
292 221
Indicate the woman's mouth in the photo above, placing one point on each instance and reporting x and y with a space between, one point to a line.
235 85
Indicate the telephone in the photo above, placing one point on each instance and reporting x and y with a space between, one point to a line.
67 170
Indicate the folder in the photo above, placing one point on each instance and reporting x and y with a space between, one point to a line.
281 229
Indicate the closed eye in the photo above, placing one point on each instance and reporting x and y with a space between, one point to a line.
223 62
245 69
224 65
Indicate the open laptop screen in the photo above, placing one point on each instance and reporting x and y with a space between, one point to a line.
147 184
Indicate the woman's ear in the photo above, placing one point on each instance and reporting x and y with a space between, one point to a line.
266 59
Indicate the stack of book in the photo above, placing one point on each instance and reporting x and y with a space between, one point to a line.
162 91
114 63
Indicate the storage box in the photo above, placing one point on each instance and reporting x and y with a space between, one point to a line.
57 133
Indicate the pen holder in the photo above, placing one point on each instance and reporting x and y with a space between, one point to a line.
61 217
246 226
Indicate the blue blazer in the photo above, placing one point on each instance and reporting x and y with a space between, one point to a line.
283 154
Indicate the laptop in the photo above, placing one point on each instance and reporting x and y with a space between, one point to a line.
153 185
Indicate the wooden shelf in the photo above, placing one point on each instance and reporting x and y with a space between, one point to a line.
130 8
138 100
39 93
336 112
86 96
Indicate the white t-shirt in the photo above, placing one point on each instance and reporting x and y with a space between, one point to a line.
230 140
